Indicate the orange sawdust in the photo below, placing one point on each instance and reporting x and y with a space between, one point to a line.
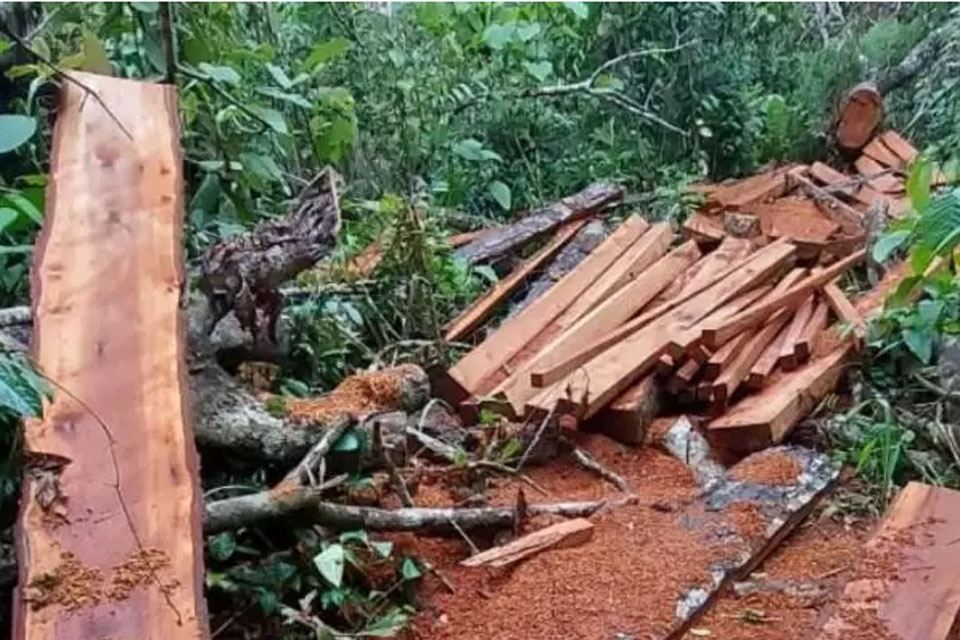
772 467
136 570
71 584
750 523
357 394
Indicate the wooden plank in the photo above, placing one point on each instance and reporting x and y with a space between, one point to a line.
717 264
474 315
716 335
899 146
561 535
803 348
603 319
687 341
830 176
757 188
518 330
767 361
738 370
722 358
788 357
550 375
502 240
879 152
703 228
607 375
665 365
765 418
685 374
885 183
905 582
109 538
628 417
631 264
794 218
845 310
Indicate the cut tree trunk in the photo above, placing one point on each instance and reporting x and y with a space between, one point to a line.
859 117
503 240
109 529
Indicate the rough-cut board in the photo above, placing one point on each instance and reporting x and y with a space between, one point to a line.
627 418
744 515
476 313
794 218
703 228
843 214
884 183
738 370
501 240
896 143
568 533
519 330
109 529
766 363
906 585
877 150
765 418
758 188
844 309
817 323
831 177
789 359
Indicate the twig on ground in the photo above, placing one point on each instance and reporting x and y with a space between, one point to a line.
303 473
463 534
588 462
399 486
935 388
442 578
536 439
502 468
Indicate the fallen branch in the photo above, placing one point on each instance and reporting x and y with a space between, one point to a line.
15 316
587 461
311 469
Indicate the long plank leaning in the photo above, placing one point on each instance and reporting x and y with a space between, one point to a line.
106 284
723 261
905 585
517 331
716 335
608 315
599 381
476 313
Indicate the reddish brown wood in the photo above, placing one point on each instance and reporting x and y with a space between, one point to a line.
118 504
860 115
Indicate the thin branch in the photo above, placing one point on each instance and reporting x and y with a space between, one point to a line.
15 316
303 473
536 439
169 50
592 78
223 93
66 76
588 462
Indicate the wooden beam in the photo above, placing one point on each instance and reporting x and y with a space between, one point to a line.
765 418
885 183
607 375
877 150
767 361
705 277
843 214
738 370
628 417
474 315
830 176
519 330
788 357
703 228
722 358
845 310
687 342
803 348
603 319
108 538
561 535
896 143
718 334
905 581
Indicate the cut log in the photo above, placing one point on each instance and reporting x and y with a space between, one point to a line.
923 54
720 333
764 419
628 417
860 115
614 370
562 535
475 314
905 584
109 534
789 360
743 517
506 239
767 361
878 151
519 330
610 313
900 147
877 179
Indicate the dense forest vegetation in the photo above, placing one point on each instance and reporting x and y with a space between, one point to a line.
450 117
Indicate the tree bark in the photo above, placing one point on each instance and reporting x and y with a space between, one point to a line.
920 57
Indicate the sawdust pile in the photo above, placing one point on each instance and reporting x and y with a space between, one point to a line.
358 394
771 467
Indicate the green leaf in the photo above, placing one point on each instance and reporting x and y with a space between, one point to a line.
888 243
15 130
497 36
268 600
327 50
154 51
471 149
383 548
16 249
359 535
220 73
7 216
292 98
388 625
145 7
329 563
539 70
95 56
579 9
22 204
279 76
4 45
349 441
206 199
918 183
929 312
261 166
196 50
500 193
272 117
920 343
222 545
409 569
528 30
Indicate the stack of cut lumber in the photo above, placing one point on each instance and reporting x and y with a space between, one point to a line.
728 321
